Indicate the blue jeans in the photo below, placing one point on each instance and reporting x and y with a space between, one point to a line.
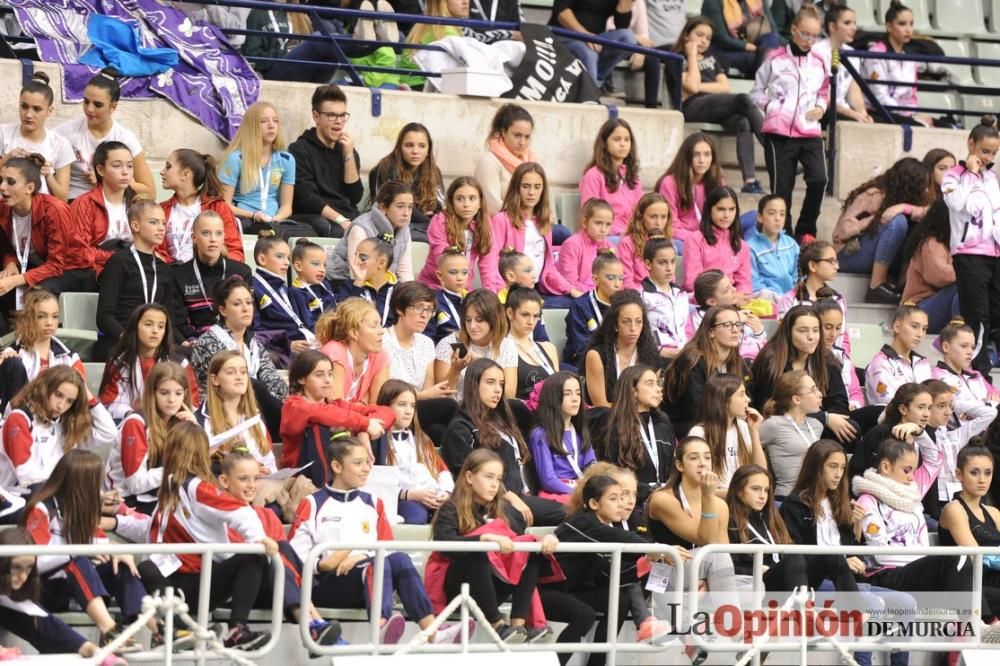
940 308
878 597
881 247
599 65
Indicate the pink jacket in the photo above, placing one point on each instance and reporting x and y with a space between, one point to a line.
974 211
687 221
891 70
635 267
622 200
576 259
437 242
787 86
506 235
699 256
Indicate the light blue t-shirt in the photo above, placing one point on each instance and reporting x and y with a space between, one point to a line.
282 172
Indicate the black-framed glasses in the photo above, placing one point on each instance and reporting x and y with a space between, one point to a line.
730 325
834 261
331 115
427 310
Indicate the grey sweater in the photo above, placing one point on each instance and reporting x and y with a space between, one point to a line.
785 444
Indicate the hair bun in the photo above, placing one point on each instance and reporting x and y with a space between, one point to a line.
988 120
110 73
41 77
508 250
267 233
956 321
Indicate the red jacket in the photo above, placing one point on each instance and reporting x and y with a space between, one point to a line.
51 234
297 414
234 236
90 224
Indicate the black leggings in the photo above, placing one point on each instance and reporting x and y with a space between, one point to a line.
929 573
563 604
237 578
737 114
782 155
13 377
801 570
979 300
488 590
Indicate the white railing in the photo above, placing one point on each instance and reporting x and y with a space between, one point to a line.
800 643
207 551
382 548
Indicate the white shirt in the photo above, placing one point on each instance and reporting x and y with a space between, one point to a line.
180 242
53 147
83 145
117 222
730 461
534 246
409 364
507 358
22 230
827 532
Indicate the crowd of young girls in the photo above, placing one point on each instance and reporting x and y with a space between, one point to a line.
643 426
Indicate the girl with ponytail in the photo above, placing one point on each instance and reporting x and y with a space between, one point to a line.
787 431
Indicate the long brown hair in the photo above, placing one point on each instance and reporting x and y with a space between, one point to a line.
491 423
25 329
186 455
31 590
482 235
427 455
624 420
739 513
903 182
75 485
425 181
488 305
247 406
680 167
713 416
772 360
811 489
700 348
468 509
512 198
164 371
602 160
76 423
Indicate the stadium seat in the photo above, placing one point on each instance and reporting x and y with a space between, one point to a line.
980 104
568 210
555 326
958 48
692 7
868 14
94 373
939 100
328 244
80 340
964 17
921 14
79 310
248 245
992 15
420 251
988 76
866 341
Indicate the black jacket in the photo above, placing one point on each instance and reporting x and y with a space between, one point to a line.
864 454
194 310
683 409
319 178
445 527
801 523
647 474
585 570
835 398
462 437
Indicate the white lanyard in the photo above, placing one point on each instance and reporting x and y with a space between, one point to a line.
493 10
265 183
451 308
352 394
147 296
684 500
308 287
618 368
650 441
769 539
197 275
277 29
372 298
229 342
22 252
543 359
286 305
597 310
812 436
574 455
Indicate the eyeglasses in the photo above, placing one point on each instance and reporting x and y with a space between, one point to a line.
806 36
330 115
429 310
730 325
813 390
833 261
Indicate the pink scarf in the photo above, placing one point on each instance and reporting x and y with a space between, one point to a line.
509 160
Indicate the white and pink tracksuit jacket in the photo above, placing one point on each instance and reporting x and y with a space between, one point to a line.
974 208
787 87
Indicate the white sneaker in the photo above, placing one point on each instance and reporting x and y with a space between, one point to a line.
364 29
386 30
452 633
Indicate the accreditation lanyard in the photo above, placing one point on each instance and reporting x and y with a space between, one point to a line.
649 439
286 305
574 455
812 435
23 253
769 539
265 183
147 296
372 298
197 275
618 367
493 10
517 456
451 308
598 317
543 359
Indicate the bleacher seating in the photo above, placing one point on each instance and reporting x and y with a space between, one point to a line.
555 326
964 17
78 310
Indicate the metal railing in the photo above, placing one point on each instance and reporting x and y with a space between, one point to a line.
207 551
612 647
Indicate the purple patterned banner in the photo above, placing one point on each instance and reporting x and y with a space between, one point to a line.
212 82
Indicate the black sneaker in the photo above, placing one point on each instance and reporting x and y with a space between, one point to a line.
883 294
325 633
242 638
753 187
512 635
539 634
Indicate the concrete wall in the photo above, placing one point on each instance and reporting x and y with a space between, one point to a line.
563 137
